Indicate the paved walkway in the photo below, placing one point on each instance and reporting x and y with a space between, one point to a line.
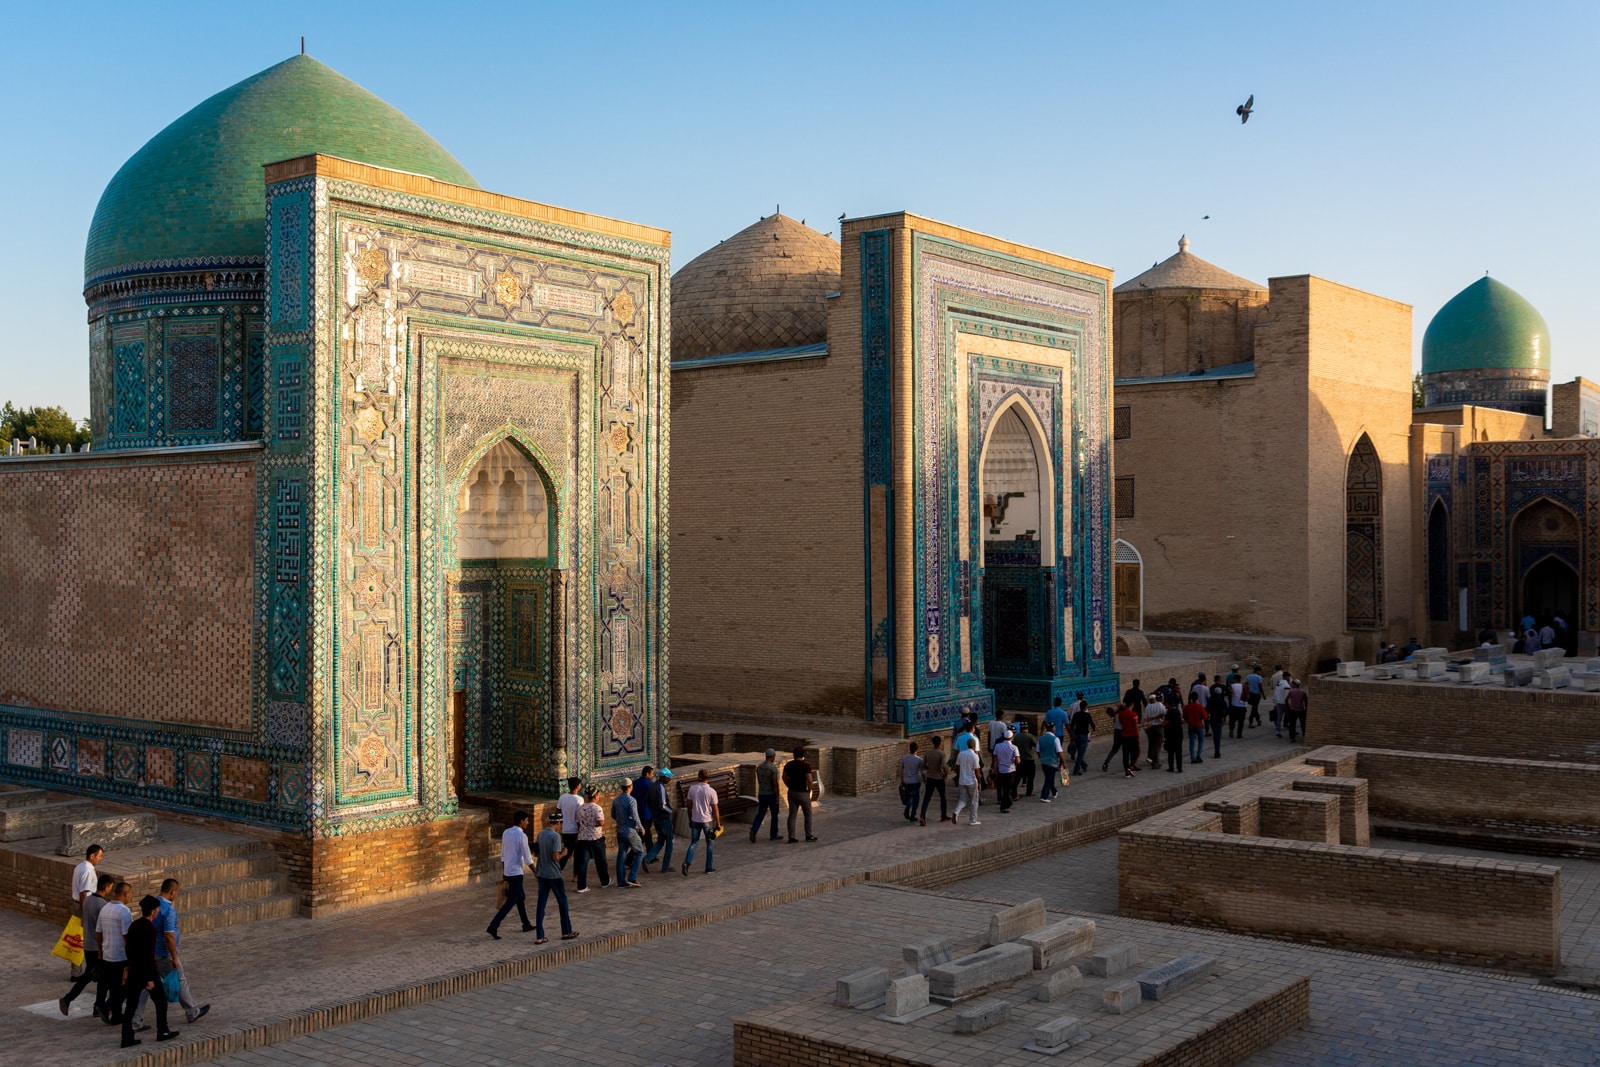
257 974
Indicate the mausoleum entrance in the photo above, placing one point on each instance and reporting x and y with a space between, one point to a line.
1016 574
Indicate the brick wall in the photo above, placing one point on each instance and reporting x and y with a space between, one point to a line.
108 566
1491 721
338 873
1468 910
1500 795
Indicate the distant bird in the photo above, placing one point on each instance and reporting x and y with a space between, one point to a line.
1205 216
1244 109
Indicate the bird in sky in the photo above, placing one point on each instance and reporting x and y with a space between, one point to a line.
1244 109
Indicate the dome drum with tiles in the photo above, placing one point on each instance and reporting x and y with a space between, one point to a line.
174 264
1488 346
765 288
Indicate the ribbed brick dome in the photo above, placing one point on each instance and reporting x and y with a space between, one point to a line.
762 288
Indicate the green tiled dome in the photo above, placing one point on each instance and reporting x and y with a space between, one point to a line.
1486 325
195 190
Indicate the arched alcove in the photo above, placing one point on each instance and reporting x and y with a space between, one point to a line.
1439 562
1547 538
1363 537
503 512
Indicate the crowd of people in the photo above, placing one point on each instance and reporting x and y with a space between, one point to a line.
644 820
131 961
1165 719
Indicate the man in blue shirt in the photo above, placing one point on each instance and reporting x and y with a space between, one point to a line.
547 870
165 921
661 810
1055 720
1252 694
630 849
644 789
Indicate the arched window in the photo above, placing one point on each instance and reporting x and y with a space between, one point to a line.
1363 538
1439 563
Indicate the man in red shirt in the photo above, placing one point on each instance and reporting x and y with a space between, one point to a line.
1128 730
1194 716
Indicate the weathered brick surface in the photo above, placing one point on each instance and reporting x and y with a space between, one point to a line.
1499 795
1461 720
109 566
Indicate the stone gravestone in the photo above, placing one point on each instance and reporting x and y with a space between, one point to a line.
864 989
1057 1035
1059 941
906 1000
1113 960
971 975
982 1016
922 956
1120 998
1062 984
1010 923
1350 668
1546 658
1161 982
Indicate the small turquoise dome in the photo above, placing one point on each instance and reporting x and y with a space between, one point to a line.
196 191
1488 325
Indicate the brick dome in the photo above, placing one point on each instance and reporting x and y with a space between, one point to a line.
762 288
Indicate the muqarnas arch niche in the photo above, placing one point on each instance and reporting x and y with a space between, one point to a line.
503 511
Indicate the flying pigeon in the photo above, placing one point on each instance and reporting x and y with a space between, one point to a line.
1244 109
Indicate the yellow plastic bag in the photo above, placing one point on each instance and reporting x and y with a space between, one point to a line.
70 946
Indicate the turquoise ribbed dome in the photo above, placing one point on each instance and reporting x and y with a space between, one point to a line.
1488 325
196 190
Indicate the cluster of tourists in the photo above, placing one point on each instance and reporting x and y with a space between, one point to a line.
131 961
643 819
1166 720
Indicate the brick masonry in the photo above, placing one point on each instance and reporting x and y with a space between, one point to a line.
1491 721
1506 796
107 568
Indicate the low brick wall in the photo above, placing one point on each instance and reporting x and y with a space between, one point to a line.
1506 796
1201 864
1461 720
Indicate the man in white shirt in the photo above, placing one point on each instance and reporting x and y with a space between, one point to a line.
704 816
1280 701
997 731
568 806
111 931
84 877
515 858
967 783
1005 771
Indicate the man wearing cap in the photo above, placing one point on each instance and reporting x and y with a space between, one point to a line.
661 813
1005 771
766 796
515 858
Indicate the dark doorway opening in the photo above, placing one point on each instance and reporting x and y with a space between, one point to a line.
1549 589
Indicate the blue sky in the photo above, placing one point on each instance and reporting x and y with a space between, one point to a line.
1401 148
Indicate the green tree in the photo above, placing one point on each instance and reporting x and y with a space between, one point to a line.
50 426
1416 391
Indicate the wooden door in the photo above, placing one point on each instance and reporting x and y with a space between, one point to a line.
1125 595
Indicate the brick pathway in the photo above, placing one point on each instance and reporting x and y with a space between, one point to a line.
253 975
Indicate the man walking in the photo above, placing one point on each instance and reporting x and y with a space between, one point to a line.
1115 714
167 961
910 782
1081 727
1128 733
933 776
630 849
767 796
1296 701
111 931
967 783
1050 756
1217 713
547 872
1153 721
568 805
1280 705
1027 757
1174 734
1194 717
643 792
142 979
797 781
1252 694
1055 719
591 841
85 877
91 949
1005 772
1236 705
661 809
705 818
515 857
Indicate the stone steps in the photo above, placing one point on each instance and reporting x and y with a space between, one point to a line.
20 798
261 909
217 894
197 873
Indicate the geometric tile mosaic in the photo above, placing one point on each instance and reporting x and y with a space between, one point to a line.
25 748
286 723
125 763
160 768
197 772
292 785
92 756
61 753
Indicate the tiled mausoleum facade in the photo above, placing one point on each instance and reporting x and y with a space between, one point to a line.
374 518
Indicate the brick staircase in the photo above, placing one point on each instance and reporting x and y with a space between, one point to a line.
223 885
